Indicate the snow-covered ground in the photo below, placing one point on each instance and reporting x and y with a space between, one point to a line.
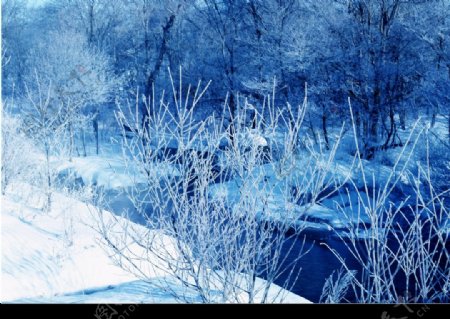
106 171
110 173
56 257
50 254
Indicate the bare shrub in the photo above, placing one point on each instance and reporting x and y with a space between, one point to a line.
404 252
222 193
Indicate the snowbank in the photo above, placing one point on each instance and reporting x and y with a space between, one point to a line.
322 217
56 256
48 254
109 172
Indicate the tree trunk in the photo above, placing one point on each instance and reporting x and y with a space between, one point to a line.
146 37
374 115
391 133
433 118
358 124
91 23
96 132
232 129
83 140
159 60
324 129
258 32
156 68
402 117
311 127
230 70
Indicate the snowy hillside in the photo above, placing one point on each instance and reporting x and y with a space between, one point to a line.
56 256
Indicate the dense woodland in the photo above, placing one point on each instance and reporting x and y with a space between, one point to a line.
390 57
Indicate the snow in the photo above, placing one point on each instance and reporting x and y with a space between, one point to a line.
94 170
137 291
55 256
325 216
107 171
46 254
255 138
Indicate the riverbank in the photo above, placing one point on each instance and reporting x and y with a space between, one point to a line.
56 256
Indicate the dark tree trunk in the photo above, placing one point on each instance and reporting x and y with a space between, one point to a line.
402 116
311 127
374 116
96 132
83 140
258 32
232 129
230 72
391 132
433 119
358 124
91 23
162 51
157 67
324 129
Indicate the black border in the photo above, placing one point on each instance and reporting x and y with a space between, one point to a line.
132 311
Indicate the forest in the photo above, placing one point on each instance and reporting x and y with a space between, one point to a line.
226 151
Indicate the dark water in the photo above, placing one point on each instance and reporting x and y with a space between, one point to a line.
316 266
313 269
321 262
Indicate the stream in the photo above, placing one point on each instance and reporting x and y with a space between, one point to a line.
315 267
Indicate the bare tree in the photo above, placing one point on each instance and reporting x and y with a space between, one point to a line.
82 80
231 213
14 166
45 124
